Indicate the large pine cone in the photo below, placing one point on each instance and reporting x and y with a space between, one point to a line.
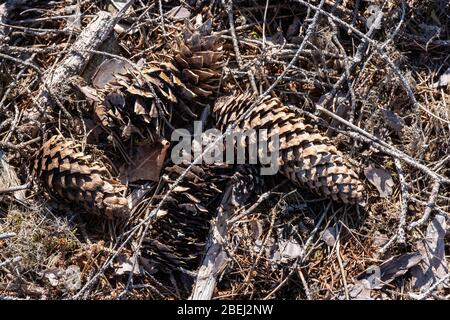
176 240
186 78
306 156
69 175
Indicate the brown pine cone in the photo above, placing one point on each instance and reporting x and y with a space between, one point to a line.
178 238
69 175
188 77
306 156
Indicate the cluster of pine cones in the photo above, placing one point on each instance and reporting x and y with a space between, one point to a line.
176 89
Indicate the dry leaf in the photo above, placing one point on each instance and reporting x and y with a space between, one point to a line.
257 228
381 179
179 13
393 120
53 276
434 265
73 13
379 240
429 31
379 276
149 160
444 80
398 266
72 278
119 4
359 291
270 249
289 250
329 236
125 265
373 10
106 71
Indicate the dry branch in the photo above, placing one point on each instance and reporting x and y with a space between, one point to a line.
385 147
429 207
14 189
337 57
215 258
404 198
90 39
80 53
4 236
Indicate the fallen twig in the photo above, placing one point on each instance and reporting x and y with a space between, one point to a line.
404 197
4 236
14 189
90 39
18 147
430 290
341 265
385 147
215 257
429 207
10 261
5 9
383 54
229 8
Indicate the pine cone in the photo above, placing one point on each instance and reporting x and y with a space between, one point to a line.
306 156
69 175
246 184
190 76
177 239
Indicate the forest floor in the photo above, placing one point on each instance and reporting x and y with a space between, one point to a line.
373 76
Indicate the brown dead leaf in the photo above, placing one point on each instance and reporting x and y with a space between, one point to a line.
149 160
381 179
393 120
379 276
179 13
106 71
434 265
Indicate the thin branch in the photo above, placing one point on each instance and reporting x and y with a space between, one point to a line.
383 54
229 9
429 207
404 198
431 289
14 189
18 147
385 147
4 236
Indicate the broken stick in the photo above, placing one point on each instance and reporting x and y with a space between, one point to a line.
215 259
